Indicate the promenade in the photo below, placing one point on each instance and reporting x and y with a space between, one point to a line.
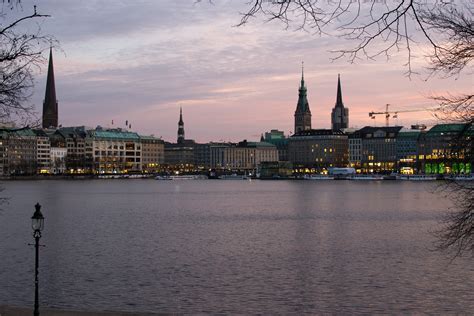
21 311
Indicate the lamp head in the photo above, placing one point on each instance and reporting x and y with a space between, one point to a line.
37 220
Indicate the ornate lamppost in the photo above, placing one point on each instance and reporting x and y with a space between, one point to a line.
37 223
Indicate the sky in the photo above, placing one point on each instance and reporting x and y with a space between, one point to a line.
140 61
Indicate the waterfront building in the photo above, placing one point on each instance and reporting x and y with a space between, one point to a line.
317 150
355 148
247 156
278 139
302 113
216 151
340 114
19 150
447 148
379 150
50 104
275 170
74 140
43 151
115 151
407 150
202 156
180 157
58 160
153 153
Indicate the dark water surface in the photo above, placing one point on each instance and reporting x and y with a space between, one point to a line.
272 247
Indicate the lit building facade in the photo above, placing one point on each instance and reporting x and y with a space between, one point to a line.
407 151
115 151
58 160
247 156
379 149
20 155
43 152
153 154
447 148
317 150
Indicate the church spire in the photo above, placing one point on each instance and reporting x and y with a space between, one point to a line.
180 127
302 74
339 93
302 113
340 114
50 104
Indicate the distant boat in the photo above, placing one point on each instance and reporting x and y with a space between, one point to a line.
463 177
233 176
183 177
417 177
366 177
318 177
163 178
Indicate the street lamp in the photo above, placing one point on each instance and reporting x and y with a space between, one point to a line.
37 223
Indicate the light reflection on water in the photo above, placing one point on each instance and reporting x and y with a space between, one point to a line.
232 247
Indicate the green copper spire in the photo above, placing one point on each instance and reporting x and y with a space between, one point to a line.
302 113
302 75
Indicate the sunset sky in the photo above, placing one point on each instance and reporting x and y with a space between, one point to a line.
141 60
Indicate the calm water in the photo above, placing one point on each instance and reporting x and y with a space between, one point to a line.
272 247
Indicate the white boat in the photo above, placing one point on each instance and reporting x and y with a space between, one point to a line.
417 177
233 176
183 177
318 177
365 177
163 178
461 177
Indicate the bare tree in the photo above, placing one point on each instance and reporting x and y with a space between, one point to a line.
381 27
445 31
20 53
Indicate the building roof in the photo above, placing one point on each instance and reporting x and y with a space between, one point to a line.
448 129
24 131
73 131
117 133
318 132
369 131
408 133
245 143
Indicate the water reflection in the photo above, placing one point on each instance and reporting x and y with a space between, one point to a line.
232 247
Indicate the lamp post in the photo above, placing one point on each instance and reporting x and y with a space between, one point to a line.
37 223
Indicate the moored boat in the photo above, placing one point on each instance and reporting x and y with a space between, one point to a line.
233 176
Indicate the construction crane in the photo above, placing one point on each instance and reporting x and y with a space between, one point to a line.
394 114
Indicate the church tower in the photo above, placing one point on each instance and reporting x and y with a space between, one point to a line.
302 113
180 127
340 114
50 104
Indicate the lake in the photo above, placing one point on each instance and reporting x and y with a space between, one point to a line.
247 247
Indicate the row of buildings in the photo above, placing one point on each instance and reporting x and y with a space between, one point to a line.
445 148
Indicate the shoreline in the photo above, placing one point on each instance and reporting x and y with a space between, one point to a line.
24 311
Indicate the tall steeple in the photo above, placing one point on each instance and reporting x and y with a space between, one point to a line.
340 114
339 93
302 113
50 104
180 127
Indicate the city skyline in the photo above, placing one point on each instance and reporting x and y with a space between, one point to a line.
233 82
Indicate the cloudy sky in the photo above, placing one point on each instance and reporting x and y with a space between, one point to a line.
141 60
